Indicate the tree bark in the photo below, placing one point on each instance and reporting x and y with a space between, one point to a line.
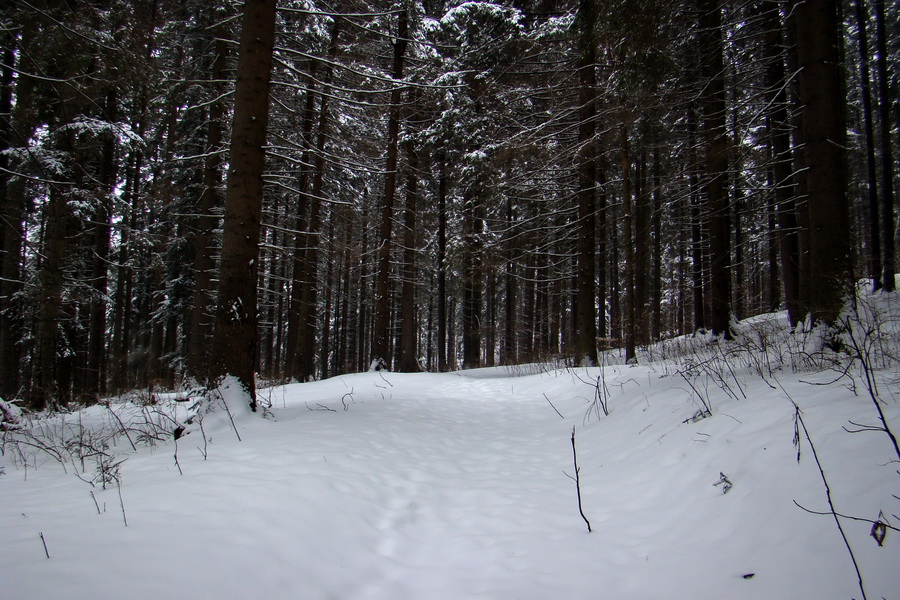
201 325
715 142
55 237
382 343
823 132
509 354
627 212
299 270
887 161
308 321
779 140
11 229
408 361
443 364
237 338
696 216
586 297
656 277
874 229
95 376
473 263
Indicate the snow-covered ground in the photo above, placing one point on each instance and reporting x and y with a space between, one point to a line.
447 486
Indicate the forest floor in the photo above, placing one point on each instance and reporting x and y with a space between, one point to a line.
447 486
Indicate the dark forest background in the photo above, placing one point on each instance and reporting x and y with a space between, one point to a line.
446 185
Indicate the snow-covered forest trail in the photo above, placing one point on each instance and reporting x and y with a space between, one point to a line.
387 486
454 469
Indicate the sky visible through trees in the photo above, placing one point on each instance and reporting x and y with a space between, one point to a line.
442 184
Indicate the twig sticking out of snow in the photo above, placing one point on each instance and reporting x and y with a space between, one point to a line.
553 407
122 503
43 541
577 479
833 511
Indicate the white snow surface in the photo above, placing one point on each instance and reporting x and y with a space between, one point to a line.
387 486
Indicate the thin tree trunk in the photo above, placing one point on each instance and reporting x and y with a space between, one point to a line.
299 271
715 142
656 277
408 361
696 216
586 297
473 263
362 326
381 347
874 218
509 355
887 161
602 236
443 364
783 185
201 324
328 289
95 383
641 243
304 360
615 290
490 337
772 300
49 310
627 211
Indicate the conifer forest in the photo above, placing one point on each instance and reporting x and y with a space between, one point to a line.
294 189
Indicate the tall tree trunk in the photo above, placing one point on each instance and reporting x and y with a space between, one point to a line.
49 375
299 269
602 236
95 383
509 354
822 115
799 171
11 226
347 337
201 324
304 360
696 215
682 215
237 338
586 297
627 212
715 143
772 299
473 266
656 277
874 237
615 288
443 364
887 161
408 360
490 336
363 318
382 343
328 288
50 279
783 185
